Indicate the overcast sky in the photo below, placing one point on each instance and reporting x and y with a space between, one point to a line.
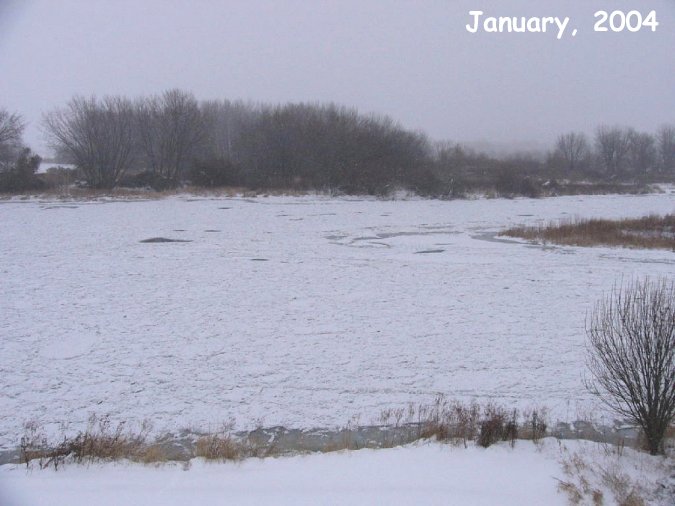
412 60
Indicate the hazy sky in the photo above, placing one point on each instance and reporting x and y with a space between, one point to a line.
412 60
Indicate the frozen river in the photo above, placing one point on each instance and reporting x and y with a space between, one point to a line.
298 311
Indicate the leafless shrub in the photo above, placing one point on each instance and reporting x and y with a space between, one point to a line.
497 425
631 355
466 417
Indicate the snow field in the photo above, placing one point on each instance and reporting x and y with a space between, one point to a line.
295 311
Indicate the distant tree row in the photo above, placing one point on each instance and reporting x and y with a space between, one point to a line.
171 139
617 152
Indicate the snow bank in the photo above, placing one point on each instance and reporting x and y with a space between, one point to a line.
427 473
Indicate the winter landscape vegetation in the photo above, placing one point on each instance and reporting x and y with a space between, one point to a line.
263 312
422 260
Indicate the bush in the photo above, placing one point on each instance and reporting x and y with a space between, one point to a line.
631 355
496 426
20 176
147 179
213 173
60 176
509 183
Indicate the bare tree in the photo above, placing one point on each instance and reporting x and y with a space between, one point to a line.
97 134
171 129
11 130
224 122
631 355
574 149
612 144
11 127
665 139
641 152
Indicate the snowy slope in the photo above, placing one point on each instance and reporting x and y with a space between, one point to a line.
297 311
426 474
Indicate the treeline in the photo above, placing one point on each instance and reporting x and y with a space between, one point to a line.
172 139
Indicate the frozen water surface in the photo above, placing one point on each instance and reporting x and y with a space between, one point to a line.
300 311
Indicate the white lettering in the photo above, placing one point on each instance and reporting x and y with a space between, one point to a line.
562 26
476 15
521 24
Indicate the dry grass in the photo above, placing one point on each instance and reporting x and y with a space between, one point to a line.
443 420
100 441
590 481
649 232
219 447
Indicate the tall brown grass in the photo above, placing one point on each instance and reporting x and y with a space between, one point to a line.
648 232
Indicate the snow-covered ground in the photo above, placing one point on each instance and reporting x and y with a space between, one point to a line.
427 473
303 311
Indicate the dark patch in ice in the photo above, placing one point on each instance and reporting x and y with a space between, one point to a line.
259 259
525 215
179 230
163 239
224 208
211 230
429 251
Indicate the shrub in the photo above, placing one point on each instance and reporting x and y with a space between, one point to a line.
213 173
496 426
20 176
147 179
631 355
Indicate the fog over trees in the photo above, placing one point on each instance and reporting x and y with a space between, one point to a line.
172 139
99 136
